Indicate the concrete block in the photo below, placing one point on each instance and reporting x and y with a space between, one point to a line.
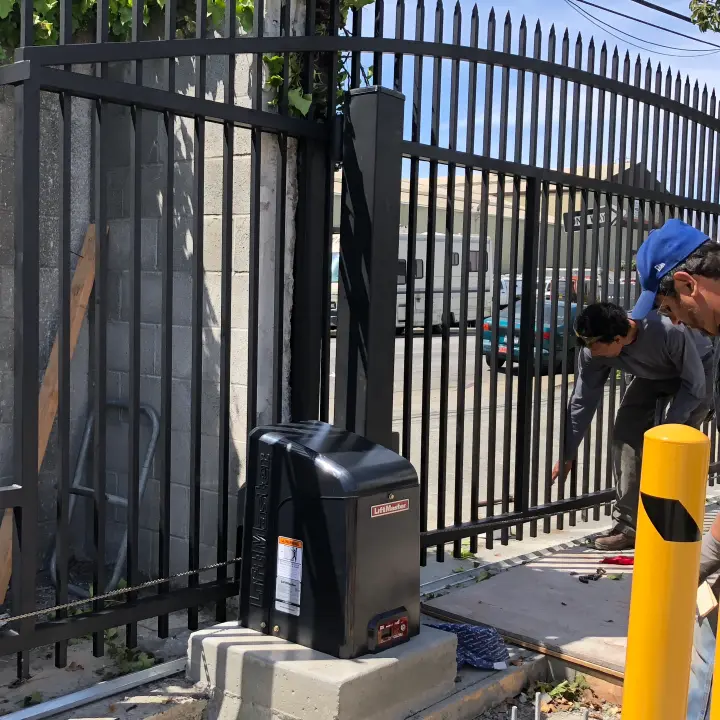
208 517
148 558
180 450
7 184
120 242
113 292
7 123
210 462
179 553
212 248
238 412
181 405
240 295
210 408
243 137
7 385
118 193
238 356
149 516
184 183
118 347
7 345
214 133
212 305
182 351
7 290
6 449
214 185
211 353
180 511
49 240
253 676
183 243
241 243
149 395
7 237
152 191
151 293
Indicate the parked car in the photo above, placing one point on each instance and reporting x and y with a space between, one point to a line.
501 350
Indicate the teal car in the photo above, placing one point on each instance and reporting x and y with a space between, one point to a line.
548 340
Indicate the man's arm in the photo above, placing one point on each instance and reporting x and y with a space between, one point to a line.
587 393
710 553
693 387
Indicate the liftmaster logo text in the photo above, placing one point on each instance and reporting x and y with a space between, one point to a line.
389 508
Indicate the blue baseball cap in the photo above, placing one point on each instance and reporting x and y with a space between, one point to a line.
661 253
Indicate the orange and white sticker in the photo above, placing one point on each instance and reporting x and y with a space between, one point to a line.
289 542
390 508
288 584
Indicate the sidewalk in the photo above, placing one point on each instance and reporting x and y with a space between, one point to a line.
537 601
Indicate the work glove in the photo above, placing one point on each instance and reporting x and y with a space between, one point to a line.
709 556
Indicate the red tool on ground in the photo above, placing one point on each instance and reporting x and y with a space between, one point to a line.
618 560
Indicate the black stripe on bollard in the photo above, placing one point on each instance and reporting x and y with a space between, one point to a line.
671 519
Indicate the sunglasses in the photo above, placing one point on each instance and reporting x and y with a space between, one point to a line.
584 340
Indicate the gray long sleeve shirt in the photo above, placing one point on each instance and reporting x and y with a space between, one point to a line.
661 351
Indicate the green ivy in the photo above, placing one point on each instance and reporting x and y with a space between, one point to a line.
46 19
706 14
47 25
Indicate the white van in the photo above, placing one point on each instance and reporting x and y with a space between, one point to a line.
422 286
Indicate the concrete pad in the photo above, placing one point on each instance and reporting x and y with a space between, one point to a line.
258 677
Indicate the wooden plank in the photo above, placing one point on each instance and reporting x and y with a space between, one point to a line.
80 290
6 543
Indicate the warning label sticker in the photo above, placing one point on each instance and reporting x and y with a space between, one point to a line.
288 585
389 508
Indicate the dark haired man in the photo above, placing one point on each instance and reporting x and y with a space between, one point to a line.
679 270
667 362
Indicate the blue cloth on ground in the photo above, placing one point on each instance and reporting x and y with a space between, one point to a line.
479 646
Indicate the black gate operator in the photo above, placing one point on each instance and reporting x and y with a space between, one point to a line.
331 540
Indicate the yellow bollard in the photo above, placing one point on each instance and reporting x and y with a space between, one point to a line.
667 559
715 694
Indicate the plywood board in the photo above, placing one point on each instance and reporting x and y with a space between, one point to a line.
545 604
80 290
82 284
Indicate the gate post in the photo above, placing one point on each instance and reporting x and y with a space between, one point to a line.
367 290
308 331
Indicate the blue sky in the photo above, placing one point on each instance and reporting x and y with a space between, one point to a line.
705 69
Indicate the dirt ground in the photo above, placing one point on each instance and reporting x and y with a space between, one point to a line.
83 670
569 700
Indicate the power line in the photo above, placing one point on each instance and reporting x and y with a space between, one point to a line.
602 25
666 11
649 24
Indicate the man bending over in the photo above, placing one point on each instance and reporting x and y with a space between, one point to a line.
668 363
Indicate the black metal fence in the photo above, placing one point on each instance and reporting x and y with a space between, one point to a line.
559 158
199 567
528 173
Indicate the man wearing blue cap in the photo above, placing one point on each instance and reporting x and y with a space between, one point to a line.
679 270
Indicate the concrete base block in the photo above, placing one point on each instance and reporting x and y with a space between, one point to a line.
258 677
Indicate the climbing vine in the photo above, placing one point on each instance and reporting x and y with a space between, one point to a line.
46 19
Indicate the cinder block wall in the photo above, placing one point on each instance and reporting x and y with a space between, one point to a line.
118 188
154 151
119 313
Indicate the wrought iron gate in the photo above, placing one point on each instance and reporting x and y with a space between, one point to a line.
552 176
